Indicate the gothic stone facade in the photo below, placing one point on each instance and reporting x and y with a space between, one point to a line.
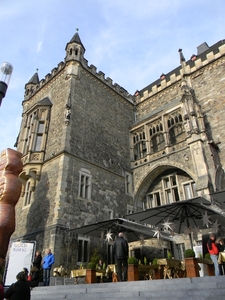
75 144
91 151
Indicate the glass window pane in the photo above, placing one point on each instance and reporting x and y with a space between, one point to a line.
38 143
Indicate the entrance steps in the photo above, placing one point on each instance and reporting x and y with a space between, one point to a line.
198 288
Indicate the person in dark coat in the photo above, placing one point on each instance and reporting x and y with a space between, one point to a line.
19 290
120 250
37 260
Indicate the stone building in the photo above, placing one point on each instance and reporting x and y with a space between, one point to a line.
91 151
74 138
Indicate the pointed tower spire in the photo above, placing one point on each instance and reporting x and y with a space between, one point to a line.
31 85
34 79
74 49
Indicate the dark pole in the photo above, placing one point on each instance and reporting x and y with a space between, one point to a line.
5 75
3 89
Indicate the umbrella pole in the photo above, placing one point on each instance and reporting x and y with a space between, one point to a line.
191 241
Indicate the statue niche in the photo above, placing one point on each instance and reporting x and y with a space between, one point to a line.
10 188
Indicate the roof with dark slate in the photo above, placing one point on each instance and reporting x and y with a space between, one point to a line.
76 39
45 101
34 79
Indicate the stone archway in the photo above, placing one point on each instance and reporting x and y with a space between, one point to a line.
153 173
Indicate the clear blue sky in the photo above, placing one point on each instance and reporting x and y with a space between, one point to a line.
131 41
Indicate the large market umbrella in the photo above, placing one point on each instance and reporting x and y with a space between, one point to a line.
110 228
182 217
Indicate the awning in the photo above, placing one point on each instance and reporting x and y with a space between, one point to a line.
132 230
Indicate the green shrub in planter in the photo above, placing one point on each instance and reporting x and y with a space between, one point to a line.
91 265
189 253
155 261
207 256
132 260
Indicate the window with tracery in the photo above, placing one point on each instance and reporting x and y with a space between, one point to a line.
157 140
140 149
35 129
175 128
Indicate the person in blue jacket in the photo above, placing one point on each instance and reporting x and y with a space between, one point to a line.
48 261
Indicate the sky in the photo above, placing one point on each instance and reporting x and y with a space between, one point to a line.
132 41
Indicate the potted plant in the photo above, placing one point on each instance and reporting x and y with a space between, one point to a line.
158 271
132 274
209 265
91 267
91 272
191 263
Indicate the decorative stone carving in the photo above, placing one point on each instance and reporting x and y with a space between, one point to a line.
10 188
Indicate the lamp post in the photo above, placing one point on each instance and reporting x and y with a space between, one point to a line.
5 75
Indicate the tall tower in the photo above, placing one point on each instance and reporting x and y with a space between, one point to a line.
75 145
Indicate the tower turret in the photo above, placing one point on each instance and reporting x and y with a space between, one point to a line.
31 85
74 49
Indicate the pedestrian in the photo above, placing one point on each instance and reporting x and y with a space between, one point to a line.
1 288
221 247
120 250
37 260
214 252
19 290
49 260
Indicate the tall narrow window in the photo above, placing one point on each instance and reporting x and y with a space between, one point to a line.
40 131
189 189
170 187
85 184
140 149
128 183
28 193
83 250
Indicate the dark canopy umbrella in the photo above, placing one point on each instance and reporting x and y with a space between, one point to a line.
186 215
131 229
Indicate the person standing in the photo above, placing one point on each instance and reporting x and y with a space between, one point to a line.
19 290
37 260
120 250
221 247
49 260
214 252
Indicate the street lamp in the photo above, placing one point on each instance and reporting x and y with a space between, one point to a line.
5 75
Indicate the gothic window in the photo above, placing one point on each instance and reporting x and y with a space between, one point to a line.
28 193
34 131
176 128
140 149
157 141
85 184
170 188
152 200
83 250
189 189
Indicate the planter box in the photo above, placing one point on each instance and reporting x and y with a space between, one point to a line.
132 273
90 276
191 267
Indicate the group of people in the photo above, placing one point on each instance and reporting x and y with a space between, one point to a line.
20 290
215 246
